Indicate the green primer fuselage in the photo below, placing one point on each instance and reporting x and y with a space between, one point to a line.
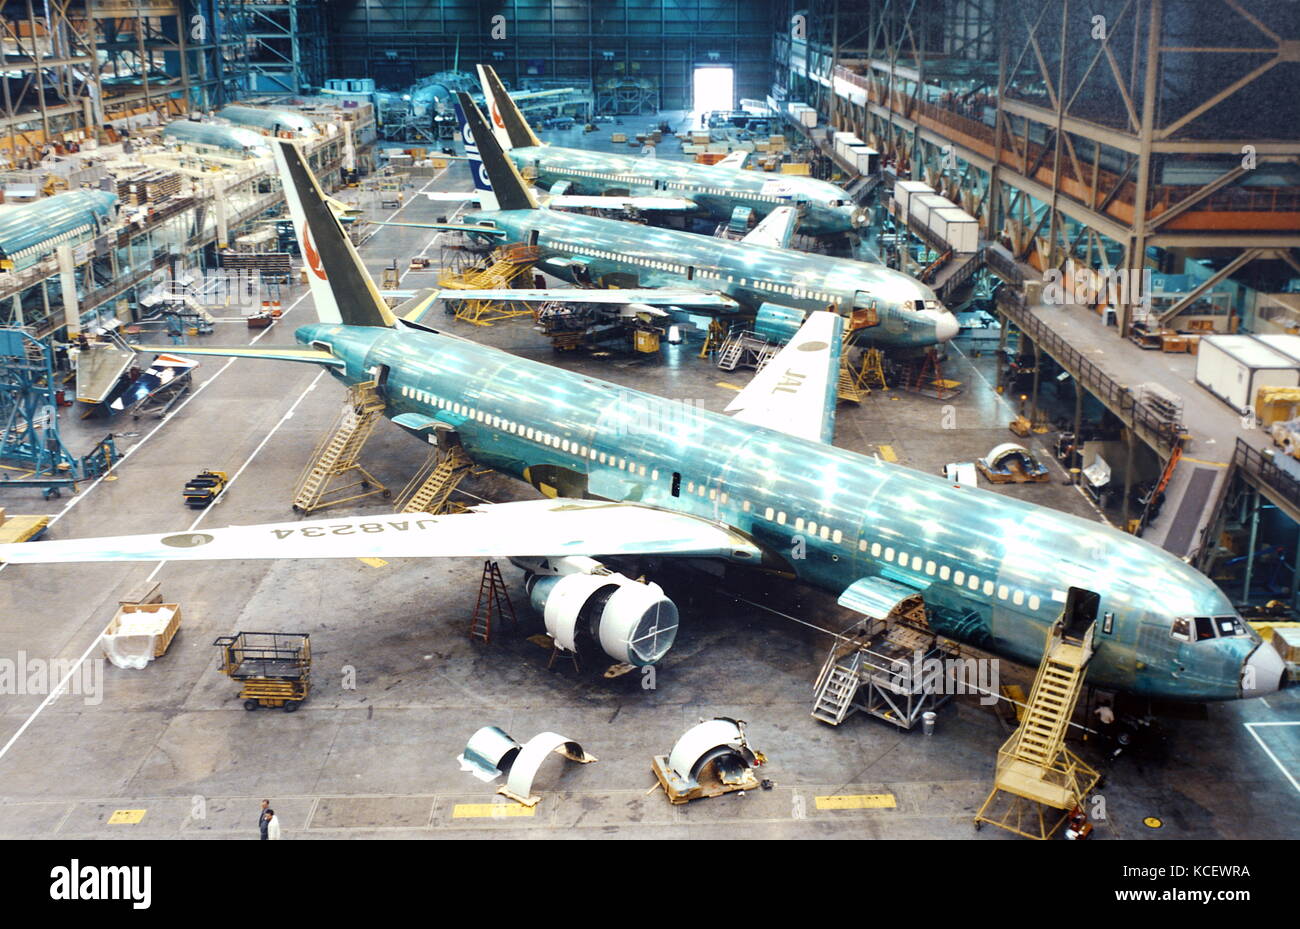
994 570
627 255
717 190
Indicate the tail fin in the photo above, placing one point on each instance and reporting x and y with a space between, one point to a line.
508 124
486 198
340 286
511 191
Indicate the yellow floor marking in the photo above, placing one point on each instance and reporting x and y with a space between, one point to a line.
1202 461
126 817
729 386
490 810
373 562
857 802
887 453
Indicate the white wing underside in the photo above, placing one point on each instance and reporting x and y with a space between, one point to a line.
796 390
577 201
538 528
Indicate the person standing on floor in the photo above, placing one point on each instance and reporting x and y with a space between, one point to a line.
261 818
272 825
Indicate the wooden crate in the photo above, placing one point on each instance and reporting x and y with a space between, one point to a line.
618 137
164 639
1287 643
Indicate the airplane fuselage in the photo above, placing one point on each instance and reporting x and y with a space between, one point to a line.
591 249
994 571
825 209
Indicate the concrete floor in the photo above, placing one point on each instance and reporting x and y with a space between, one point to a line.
377 759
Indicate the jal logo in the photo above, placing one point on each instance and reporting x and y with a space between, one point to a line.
103 882
496 116
310 253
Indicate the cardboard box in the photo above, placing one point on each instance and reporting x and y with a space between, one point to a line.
1287 643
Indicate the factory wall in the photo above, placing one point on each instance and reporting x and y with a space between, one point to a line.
660 41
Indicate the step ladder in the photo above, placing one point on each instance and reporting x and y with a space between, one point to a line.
493 601
847 388
838 687
339 452
1036 773
431 489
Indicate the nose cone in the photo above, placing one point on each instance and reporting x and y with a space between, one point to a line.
858 217
1264 672
945 324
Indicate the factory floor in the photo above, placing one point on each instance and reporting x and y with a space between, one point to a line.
398 687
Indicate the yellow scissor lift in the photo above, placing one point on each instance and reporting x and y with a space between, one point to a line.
1039 782
506 264
273 668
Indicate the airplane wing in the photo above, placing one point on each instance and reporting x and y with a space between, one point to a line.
528 528
271 353
796 391
775 229
452 196
640 204
734 160
449 227
650 297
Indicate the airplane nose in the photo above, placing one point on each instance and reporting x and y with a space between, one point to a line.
1263 673
858 218
945 324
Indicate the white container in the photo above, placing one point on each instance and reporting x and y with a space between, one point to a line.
807 117
920 205
1288 345
1235 367
865 158
956 227
903 190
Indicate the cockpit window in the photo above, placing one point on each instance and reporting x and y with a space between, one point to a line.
1201 628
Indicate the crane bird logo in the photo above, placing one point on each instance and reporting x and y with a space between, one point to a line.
496 116
309 252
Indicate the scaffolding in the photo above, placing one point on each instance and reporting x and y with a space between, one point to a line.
430 490
501 269
29 406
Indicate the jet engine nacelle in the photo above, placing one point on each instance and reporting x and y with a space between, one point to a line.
633 622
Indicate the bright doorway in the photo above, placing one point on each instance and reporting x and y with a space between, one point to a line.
715 89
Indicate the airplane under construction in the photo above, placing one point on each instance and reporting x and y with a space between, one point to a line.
625 475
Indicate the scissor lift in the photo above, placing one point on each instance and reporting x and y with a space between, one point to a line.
273 668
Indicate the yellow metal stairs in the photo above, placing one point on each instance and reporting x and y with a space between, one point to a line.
431 488
506 264
1035 771
339 453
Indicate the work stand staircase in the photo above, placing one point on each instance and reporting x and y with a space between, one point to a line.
338 455
745 350
863 670
505 266
1036 773
431 489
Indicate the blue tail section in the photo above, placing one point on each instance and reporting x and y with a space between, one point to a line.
482 183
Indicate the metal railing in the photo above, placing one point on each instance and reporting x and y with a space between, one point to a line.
1259 467
1153 428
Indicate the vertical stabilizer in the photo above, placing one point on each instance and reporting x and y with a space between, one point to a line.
508 123
486 198
511 191
341 287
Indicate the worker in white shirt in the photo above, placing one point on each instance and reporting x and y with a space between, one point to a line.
272 825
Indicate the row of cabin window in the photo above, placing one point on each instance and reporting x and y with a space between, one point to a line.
529 433
679 185
959 578
797 292
47 245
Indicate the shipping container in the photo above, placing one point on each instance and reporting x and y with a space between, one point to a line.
920 205
1288 345
956 227
1234 367
903 190
865 158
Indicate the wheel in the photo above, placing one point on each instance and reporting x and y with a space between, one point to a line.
387 494
365 485
250 705
291 706
978 825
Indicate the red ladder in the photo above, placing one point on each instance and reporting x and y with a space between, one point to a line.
493 600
